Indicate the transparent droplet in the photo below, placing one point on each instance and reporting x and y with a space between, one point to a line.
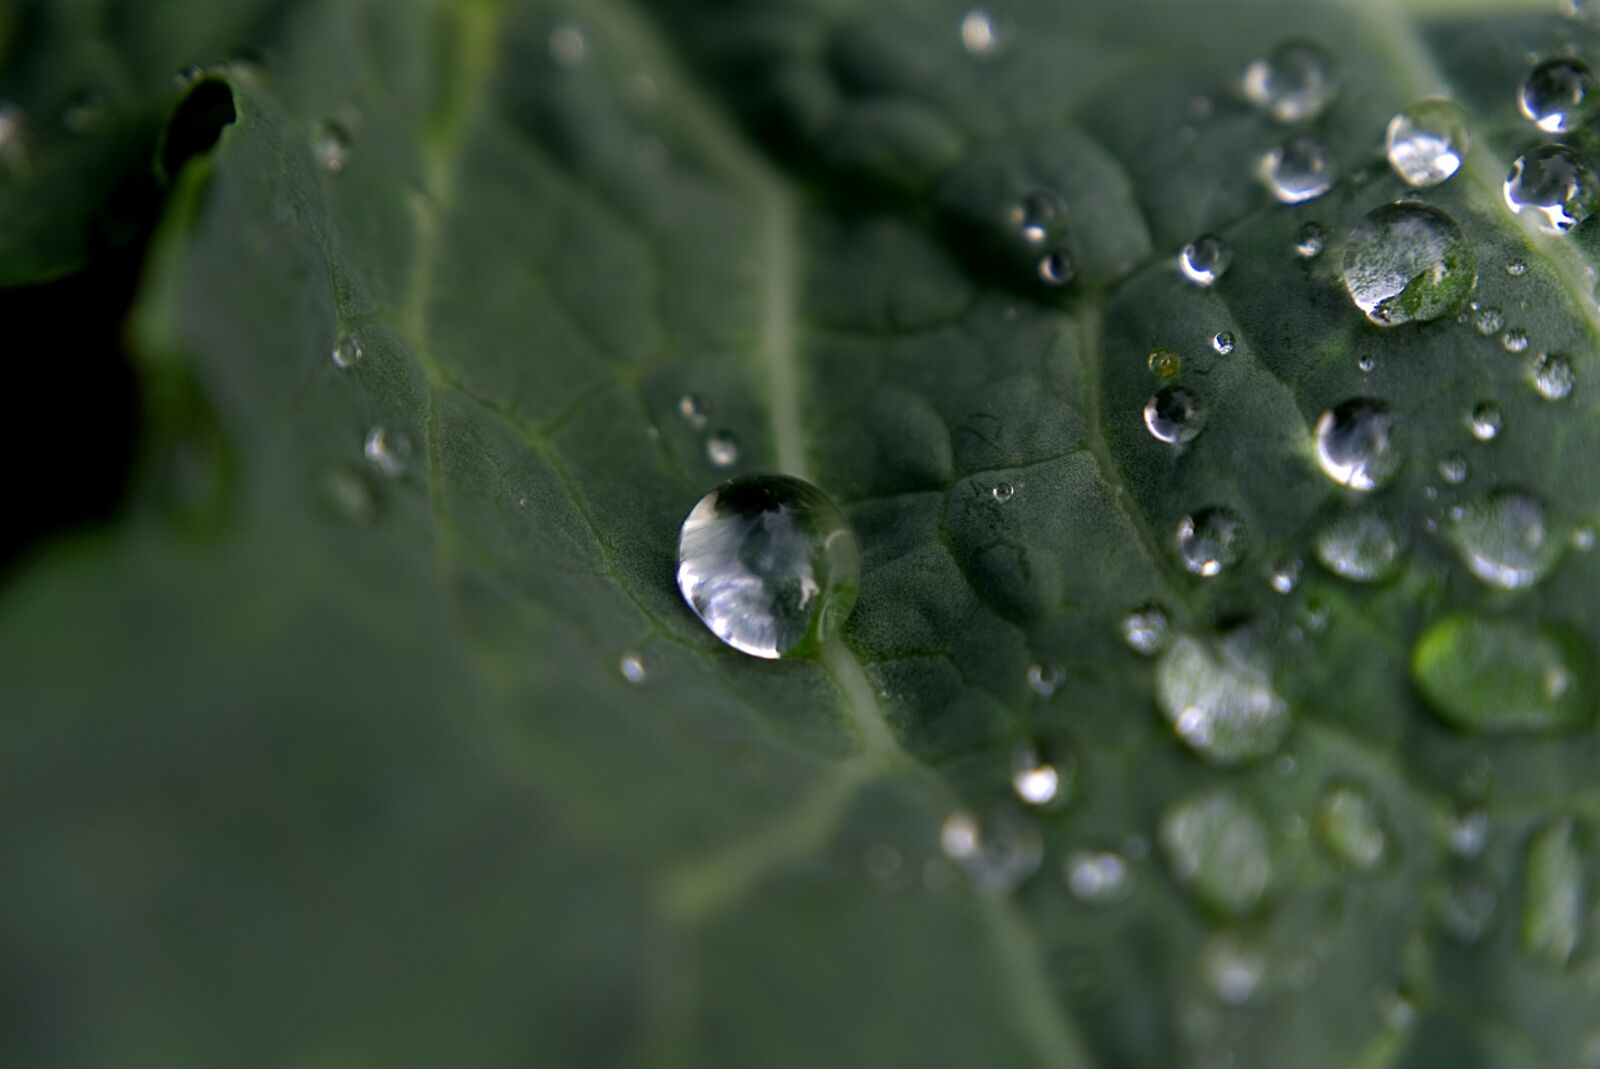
1554 896
1295 82
769 565
1554 185
1002 492
1205 259
1427 142
348 493
1057 269
1233 970
388 451
1297 170
1514 341
1220 849
1040 779
1555 95
1223 344
1097 877
1469 907
632 667
1045 677
1037 215
1396 1011
1505 539
347 353
1310 240
1146 630
1223 706
722 449
568 45
1469 833
1502 674
998 851
331 144
1174 415
1356 444
1351 828
1517 268
1487 319
1584 539
695 410
981 34
1211 541
1485 421
1164 363
1366 363
1285 577
1553 377
1408 262
1360 546
1453 469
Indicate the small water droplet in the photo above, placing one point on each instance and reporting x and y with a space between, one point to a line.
1469 833
1164 363
1351 828
1583 539
1297 170
1505 539
1174 415
632 667
1045 677
1453 469
768 564
1057 269
1554 896
1233 970
1517 268
1408 262
1210 541
1427 142
1002 492
1361 546
695 410
1366 363
1221 705
1499 674
331 145
1487 319
1205 259
997 851
388 451
346 492
1356 446
1146 630
1041 780
1554 95
1285 577
1514 341
1220 849
1295 82
347 353
1310 240
1553 377
1223 344
1097 877
1485 421
722 449
568 45
1555 185
981 34
1037 215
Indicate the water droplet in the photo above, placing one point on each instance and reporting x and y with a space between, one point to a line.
1554 95
1205 259
1361 547
347 353
1396 1011
330 144
1427 142
1453 469
722 449
1210 541
769 564
1174 415
1164 363
1366 363
1222 706
1057 269
1555 185
1295 82
997 852
1297 170
1408 262
1351 828
388 451
1553 377
1505 539
1002 492
1146 630
1553 895
1469 833
1517 268
1097 877
1233 970
1514 341
1498 674
1041 781
1583 539
1485 421
1355 444
1487 319
346 492
980 34
568 45
1285 577
1223 344
1469 906
695 410
1219 848
1045 677
632 667
1310 240
1036 215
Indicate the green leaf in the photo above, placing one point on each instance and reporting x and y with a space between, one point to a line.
322 751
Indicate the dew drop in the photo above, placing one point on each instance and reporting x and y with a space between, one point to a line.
1045 677
1427 142
347 493
1554 896
1356 446
1505 539
388 451
1408 262
1146 630
1040 780
1036 215
1469 833
997 851
1517 268
1205 259
1223 344
695 410
1485 421
722 449
1233 971
330 144
1210 541
1487 319
1222 707
1310 240
1174 415
1056 268
1351 828
1002 492
1554 95
1285 577
632 667
1366 363
769 565
568 45
1361 547
347 353
1164 363
1553 377
1514 341
1220 849
1453 469
1555 185
1099 878
980 34
1295 82
1499 674
1297 170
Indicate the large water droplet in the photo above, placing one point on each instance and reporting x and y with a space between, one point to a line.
1211 541
1362 547
1355 444
1554 896
1408 261
1351 828
1555 94
1174 415
1097 877
1555 185
1295 82
1427 142
1221 705
1297 170
769 564
1146 630
1205 259
1505 539
1553 377
997 851
1499 674
1219 848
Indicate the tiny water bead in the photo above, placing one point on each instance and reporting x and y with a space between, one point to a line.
1517 268
980 34
1285 578
1164 363
1146 630
1057 269
769 564
1408 262
1205 259
330 144
1295 82
1505 539
1426 143
1555 95
695 410
1356 444
1297 170
1210 541
1222 706
1362 547
1552 376
1487 319
1220 849
1501 674
997 851
1222 343
1174 415
1469 833
388 451
1554 897
722 449
632 667
1366 363
1041 781
1453 469
1002 492
1036 215
1554 185
1310 240
1351 828
1097 877
1045 677
1485 421
347 353
1233 971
